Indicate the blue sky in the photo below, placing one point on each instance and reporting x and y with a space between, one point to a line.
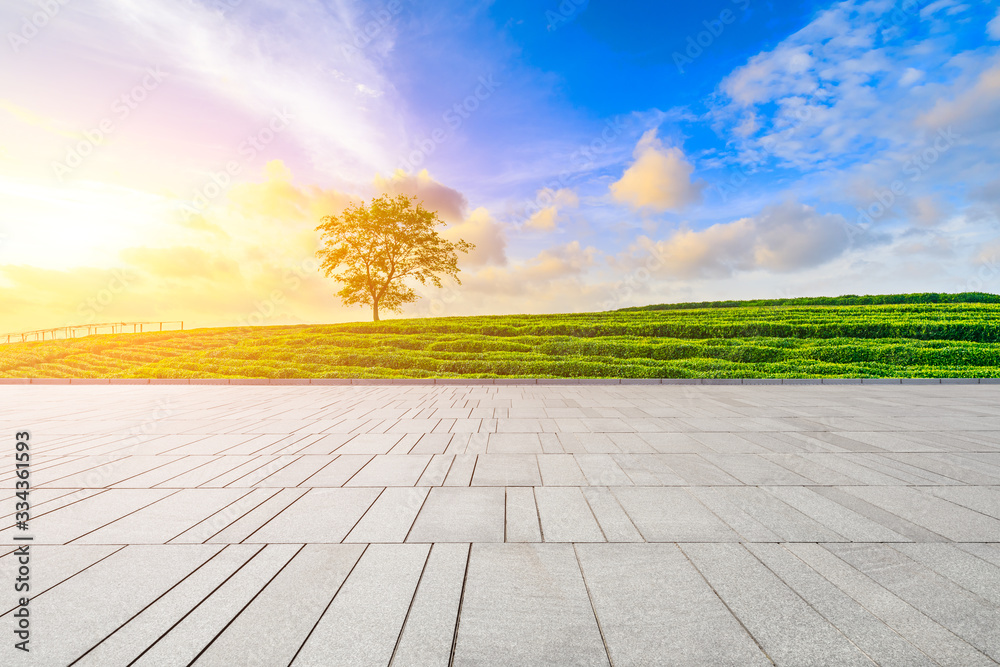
599 154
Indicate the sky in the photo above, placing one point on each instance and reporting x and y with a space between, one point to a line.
171 159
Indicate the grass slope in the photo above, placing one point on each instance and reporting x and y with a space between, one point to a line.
942 338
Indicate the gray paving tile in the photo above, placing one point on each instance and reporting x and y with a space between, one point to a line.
128 581
429 631
289 607
626 463
319 516
50 566
460 473
192 634
860 626
521 515
295 472
755 470
982 499
516 442
363 622
653 606
432 443
144 629
104 472
976 575
673 443
506 470
967 615
165 519
162 474
217 478
328 444
696 470
639 469
785 626
461 514
566 516
338 472
560 470
877 514
839 519
614 522
70 522
725 505
917 506
232 528
602 470
389 519
526 604
987 552
672 515
391 471
437 470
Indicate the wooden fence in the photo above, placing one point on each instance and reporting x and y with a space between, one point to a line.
77 331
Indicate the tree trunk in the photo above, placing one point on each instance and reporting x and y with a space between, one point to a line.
375 311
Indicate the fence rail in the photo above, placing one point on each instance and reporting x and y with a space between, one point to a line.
72 331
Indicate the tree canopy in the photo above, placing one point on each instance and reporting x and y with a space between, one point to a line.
372 249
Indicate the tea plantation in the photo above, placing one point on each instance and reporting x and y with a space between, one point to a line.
921 335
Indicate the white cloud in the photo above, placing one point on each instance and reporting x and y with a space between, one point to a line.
346 113
993 27
910 76
488 236
973 109
449 203
825 93
782 238
659 179
546 219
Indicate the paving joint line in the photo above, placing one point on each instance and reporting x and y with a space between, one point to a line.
461 602
154 601
249 602
200 602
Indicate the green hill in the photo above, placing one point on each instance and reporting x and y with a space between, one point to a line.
918 335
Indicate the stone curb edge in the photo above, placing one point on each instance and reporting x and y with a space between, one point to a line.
500 381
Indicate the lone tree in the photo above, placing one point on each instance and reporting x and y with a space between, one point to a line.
372 249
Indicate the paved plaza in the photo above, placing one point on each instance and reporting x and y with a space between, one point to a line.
506 525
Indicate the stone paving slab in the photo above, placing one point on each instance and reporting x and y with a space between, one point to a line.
507 523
